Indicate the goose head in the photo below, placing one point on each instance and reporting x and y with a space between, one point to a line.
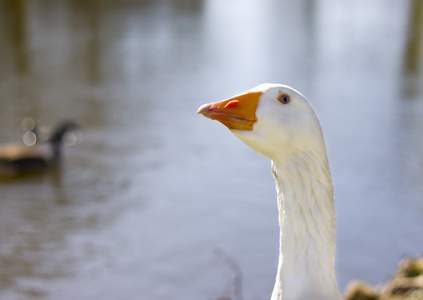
275 120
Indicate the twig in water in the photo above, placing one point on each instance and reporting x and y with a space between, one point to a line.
236 270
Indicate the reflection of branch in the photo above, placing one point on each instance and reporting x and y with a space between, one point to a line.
413 46
17 11
236 270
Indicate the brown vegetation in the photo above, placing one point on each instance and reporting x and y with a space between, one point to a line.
406 284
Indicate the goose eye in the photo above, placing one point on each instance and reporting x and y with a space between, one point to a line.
284 99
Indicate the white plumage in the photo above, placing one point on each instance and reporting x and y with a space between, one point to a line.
278 122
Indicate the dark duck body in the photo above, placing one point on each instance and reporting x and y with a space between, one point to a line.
20 159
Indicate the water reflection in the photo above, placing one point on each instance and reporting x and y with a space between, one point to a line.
414 37
14 19
408 146
35 236
91 62
145 199
413 50
27 245
86 19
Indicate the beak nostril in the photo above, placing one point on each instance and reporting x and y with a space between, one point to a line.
232 103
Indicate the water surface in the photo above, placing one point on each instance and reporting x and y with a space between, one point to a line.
141 205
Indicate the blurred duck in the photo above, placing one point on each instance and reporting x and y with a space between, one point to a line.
34 156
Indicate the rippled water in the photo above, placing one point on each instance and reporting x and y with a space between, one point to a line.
141 206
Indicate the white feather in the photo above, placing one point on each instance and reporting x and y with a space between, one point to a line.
291 136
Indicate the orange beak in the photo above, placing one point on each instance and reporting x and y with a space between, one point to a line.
238 112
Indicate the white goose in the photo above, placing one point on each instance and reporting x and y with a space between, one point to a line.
278 122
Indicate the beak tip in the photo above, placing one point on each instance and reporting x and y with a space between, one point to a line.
203 109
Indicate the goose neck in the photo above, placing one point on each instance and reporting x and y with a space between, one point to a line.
307 228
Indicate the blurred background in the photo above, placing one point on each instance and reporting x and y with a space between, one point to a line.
140 207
